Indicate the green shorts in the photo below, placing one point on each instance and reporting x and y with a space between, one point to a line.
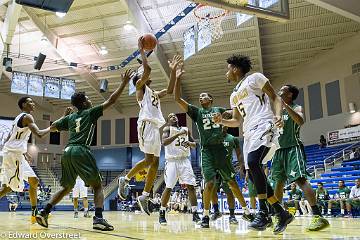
354 202
213 161
78 161
289 164
251 188
219 183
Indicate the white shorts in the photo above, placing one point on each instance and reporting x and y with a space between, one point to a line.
79 189
14 170
179 170
264 134
149 138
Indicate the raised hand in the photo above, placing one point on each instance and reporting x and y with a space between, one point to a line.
175 62
127 75
279 123
180 71
140 43
68 111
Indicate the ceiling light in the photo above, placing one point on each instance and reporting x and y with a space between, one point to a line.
103 50
7 63
60 14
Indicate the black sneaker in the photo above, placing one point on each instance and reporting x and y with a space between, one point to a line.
143 202
76 214
284 219
233 220
196 217
261 222
123 189
205 222
162 219
248 217
215 216
101 224
42 218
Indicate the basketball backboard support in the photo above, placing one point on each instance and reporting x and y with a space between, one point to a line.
276 10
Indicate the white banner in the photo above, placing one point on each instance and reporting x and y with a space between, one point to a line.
344 135
189 43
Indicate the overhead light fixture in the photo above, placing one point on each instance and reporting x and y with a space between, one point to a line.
39 60
103 85
352 107
103 50
60 14
72 64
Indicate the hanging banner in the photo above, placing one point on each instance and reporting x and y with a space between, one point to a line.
35 85
344 135
204 34
19 83
189 42
67 88
52 87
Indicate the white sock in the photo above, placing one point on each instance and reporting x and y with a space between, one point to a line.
162 208
246 210
146 194
252 211
76 210
206 212
193 209
329 211
86 209
127 179
342 211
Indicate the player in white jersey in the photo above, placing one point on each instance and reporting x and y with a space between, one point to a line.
149 122
251 101
15 167
80 191
178 141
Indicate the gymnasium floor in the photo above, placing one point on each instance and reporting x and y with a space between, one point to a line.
138 226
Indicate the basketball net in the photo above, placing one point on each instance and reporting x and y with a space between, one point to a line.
210 18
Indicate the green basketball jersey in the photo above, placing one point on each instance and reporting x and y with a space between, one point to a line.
210 133
343 192
291 131
295 195
81 125
230 143
322 194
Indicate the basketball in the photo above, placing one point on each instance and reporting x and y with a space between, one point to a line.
149 41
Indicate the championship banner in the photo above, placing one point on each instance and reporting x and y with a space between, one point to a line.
189 43
19 83
35 85
344 135
67 88
52 87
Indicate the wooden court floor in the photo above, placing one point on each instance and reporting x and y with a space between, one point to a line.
133 226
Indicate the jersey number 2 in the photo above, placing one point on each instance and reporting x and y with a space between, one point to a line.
155 101
77 128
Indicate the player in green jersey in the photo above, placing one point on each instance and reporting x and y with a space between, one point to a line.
213 152
289 161
340 198
78 159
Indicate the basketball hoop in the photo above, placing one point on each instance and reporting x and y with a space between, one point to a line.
211 18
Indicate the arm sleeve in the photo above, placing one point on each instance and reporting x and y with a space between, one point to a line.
258 80
193 112
96 112
232 100
62 124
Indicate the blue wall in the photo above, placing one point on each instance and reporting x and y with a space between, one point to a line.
114 158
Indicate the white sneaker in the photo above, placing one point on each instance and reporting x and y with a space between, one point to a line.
297 214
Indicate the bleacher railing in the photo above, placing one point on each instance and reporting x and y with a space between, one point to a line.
341 155
113 184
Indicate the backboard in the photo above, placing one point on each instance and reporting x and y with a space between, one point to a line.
276 10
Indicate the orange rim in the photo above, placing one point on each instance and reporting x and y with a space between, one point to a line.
211 18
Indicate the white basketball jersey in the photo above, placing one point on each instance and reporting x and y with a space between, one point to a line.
19 137
150 108
252 103
176 149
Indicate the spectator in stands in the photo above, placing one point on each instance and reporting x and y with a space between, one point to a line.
13 203
295 196
340 198
354 198
354 153
322 197
305 207
156 202
322 141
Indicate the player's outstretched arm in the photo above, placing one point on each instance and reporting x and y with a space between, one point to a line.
233 122
276 99
115 95
166 140
296 114
30 123
147 69
184 105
